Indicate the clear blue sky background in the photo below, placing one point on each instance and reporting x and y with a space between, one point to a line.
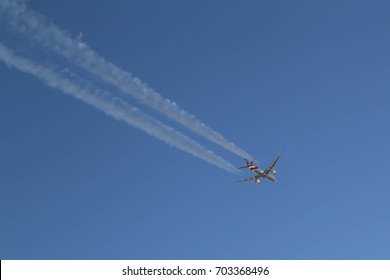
310 78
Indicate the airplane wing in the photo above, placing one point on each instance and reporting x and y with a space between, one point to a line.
247 179
269 168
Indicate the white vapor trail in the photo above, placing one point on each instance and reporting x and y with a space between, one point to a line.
112 106
35 26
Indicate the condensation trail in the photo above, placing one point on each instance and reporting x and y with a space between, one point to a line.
112 106
34 25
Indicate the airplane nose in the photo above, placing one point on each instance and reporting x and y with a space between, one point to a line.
272 178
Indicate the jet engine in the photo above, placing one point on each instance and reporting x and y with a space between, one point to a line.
273 171
257 181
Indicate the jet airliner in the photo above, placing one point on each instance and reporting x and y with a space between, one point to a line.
268 173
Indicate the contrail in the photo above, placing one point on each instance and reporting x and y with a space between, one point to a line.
112 106
49 35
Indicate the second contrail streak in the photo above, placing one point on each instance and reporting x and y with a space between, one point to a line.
112 106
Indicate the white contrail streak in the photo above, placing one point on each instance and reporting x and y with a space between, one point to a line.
112 106
49 35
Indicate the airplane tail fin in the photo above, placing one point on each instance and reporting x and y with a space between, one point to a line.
247 164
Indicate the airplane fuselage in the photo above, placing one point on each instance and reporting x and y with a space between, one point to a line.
261 173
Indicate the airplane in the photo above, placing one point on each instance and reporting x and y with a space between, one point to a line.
266 174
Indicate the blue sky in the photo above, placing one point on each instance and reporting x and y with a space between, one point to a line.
308 78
